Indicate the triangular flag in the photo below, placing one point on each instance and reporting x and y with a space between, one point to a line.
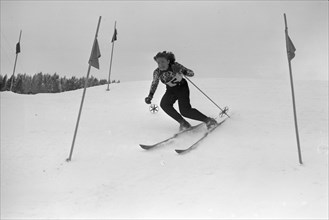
290 48
95 54
114 38
18 48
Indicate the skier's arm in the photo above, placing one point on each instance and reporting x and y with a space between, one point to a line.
154 84
183 70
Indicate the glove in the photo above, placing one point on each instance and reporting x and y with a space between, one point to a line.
148 100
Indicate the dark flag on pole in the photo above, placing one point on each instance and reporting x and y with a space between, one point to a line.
114 38
290 55
290 48
93 61
18 48
95 54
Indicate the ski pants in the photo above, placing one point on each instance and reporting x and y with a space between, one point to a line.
181 93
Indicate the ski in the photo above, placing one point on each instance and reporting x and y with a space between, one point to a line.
147 147
180 151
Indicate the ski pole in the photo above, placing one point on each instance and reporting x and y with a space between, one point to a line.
223 111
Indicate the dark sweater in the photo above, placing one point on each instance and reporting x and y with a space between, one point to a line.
170 77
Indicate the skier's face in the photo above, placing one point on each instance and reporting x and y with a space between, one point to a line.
163 63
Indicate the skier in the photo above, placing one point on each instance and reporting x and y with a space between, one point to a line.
171 73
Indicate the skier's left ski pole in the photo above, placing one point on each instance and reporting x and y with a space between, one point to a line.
223 111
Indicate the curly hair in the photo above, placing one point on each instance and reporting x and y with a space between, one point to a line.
168 55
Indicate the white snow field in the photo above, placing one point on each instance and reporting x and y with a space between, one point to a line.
247 168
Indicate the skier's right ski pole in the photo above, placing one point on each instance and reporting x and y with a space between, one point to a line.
223 111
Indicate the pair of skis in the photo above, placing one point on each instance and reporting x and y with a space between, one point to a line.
193 128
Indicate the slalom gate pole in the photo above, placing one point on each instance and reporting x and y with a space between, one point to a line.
206 96
293 94
12 78
109 80
83 98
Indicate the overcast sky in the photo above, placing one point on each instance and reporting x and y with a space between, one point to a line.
215 39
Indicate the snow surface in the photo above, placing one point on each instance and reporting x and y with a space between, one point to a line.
247 168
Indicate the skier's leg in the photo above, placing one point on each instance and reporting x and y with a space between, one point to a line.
167 104
185 107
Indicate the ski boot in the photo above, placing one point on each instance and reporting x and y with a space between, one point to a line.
210 122
184 125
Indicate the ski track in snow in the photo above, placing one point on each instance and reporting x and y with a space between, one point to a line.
247 168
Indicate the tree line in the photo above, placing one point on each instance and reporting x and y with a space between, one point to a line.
46 83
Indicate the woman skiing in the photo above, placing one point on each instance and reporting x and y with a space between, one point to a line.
171 73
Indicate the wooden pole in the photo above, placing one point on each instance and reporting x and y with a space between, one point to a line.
83 97
12 78
108 83
293 93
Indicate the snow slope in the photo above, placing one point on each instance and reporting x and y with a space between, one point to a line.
247 168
